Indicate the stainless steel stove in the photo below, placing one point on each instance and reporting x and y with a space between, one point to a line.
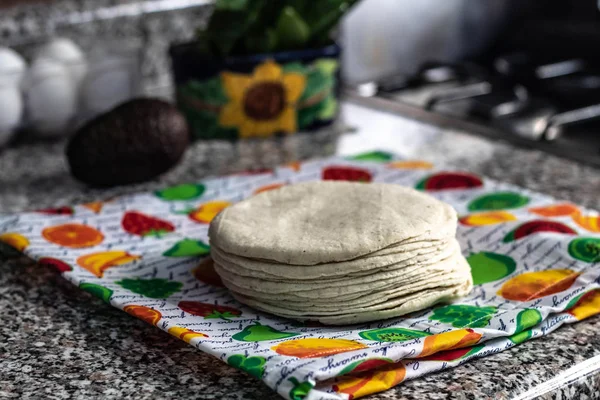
553 105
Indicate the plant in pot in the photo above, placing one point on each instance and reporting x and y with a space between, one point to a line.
262 70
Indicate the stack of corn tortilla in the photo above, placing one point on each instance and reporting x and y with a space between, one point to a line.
340 252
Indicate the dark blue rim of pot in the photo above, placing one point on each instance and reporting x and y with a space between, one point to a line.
189 63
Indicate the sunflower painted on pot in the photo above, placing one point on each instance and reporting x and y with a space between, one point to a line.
262 103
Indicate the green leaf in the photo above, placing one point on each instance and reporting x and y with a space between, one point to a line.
261 42
317 83
205 125
329 109
209 91
328 66
292 31
295 67
308 115
227 27
322 27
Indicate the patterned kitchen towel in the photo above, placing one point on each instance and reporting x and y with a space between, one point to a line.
534 261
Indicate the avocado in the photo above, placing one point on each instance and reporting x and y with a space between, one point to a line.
135 142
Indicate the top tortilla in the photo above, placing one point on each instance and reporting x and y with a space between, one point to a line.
328 221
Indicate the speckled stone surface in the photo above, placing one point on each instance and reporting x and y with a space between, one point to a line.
58 342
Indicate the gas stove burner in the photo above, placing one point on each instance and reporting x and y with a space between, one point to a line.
546 103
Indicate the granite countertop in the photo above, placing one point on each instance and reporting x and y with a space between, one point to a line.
58 342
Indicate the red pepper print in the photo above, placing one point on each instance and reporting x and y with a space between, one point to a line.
208 310
57 211
55 263
140 224
343 173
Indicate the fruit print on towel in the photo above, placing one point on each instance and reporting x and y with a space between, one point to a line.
555 210
99 291
533 285
585 249
487 218
188 248
15 240
153 288
58 265
590 223
392 334
185 334
585 305
184 192
57 211
144 313
310 348
254 365
516 297
74 236
208 310
449 180
489 267
97 263
207 211
139 224
259 333
461 315
95 206
532 227
299 389
453 355
267 188
451 340
363 383
345 173
528 318
373 156
498 201
410 164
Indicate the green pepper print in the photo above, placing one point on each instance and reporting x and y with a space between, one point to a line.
300 389
498 201
463 316
153 288
489 267
188 248
97 290
186 191
258 333
254 365
526 319
374 156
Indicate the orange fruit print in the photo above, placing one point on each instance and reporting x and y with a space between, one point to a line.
144 313
207 211
310 348
555 210
368 382
74 236
449 340
533 285
266 188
